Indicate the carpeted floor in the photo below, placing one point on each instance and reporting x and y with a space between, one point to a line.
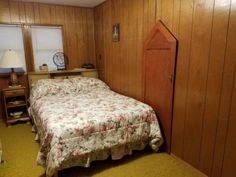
20 150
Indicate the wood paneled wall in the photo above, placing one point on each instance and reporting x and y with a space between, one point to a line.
78 25
204 121
78 28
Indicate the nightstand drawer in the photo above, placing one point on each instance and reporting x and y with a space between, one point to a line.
11 93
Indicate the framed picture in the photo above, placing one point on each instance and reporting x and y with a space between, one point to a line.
116 32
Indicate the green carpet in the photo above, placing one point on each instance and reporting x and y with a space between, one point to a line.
20 150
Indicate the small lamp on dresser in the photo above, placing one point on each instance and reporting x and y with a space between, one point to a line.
11 60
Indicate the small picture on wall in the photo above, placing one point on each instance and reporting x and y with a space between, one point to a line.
116 32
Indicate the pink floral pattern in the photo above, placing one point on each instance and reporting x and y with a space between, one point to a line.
47 87
89 123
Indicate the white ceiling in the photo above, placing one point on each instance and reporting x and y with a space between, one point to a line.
80 3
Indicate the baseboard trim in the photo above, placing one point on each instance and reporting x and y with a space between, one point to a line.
178 158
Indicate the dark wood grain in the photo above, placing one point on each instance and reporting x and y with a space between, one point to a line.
227 114
204 72
79 43
214 86
196 89
182 73
204 93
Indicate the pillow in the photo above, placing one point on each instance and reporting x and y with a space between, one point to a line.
47 87
87 84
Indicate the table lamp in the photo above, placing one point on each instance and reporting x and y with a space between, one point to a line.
11 60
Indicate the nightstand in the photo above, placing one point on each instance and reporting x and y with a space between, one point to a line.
15 102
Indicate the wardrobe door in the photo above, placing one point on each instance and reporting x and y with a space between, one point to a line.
159 71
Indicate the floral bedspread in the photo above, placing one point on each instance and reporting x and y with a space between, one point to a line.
85 124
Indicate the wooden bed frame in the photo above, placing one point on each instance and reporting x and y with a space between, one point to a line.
158 76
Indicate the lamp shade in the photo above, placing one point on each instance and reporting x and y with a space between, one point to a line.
10 59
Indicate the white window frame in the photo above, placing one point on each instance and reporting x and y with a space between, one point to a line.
6 39
39 42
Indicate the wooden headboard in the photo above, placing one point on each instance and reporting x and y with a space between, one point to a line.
159 73
34 76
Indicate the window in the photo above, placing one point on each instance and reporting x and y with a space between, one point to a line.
11 38
46 40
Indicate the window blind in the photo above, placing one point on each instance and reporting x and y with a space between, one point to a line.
46 40
11 37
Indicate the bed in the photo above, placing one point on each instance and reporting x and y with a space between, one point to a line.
79 120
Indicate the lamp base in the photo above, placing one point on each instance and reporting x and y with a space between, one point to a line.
13 78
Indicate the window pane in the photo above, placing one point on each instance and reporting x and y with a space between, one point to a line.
11 38
45 57
46 41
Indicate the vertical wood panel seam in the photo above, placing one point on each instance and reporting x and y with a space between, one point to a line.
177 57
182 155
156 11
8 5
9 10
50 11
161 8
187 89
173 1
87 24
221 90
18 7
33 6
76 32
128 52
177 53
40 21
231 99
82 22
143 71
23 4
136 43
180 6
230 109
103 44
94 37
207 75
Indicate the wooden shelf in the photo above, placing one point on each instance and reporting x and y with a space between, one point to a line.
76 70
24 117
9 105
